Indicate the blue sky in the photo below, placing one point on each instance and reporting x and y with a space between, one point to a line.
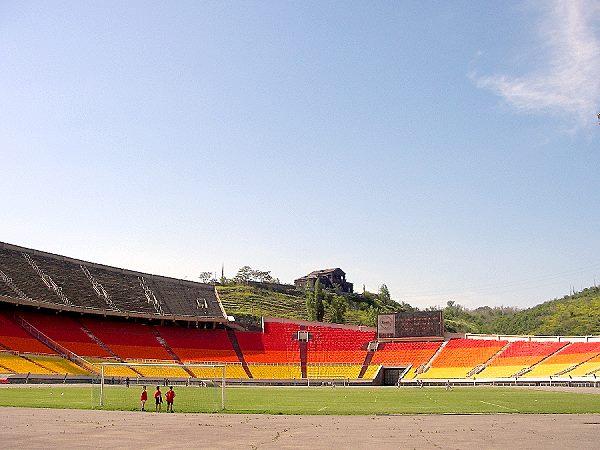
448 149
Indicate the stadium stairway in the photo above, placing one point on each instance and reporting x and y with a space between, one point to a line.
65 330
114 370
67 354
13 337
140 344
366 363
460 356
303 355
21 364
404 354
435 355
337 344
590 367
481 367
540 363
519 356
169 350
238 351
565 360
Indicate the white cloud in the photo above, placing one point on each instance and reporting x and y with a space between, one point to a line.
568 84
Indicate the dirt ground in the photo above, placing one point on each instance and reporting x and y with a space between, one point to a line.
43 428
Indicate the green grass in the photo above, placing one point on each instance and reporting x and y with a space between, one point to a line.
255 301
317 400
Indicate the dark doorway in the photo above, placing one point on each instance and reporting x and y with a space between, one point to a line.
391 375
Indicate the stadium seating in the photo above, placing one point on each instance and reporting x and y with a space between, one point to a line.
517 357
231 371
568 357
59 281
113 371
199 345
128 340
405 354
460 356
59 365
277 344
337 345
161 371
371 372
17 364
591 367
350 371
275 371
14 337
67 332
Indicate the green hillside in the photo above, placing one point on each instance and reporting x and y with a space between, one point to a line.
577 314
248 300
285 302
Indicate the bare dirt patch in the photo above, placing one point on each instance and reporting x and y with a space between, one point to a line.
43 428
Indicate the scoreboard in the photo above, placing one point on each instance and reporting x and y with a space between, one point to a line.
410 324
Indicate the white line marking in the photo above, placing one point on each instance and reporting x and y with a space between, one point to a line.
323 408
499 406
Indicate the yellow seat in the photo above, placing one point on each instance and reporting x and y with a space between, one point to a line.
161 371
546 370
275 372
114 371
59 365
19 365
499 371
445 373
231 371
350 371
589 367
371 372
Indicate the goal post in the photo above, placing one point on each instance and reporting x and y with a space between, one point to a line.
189 375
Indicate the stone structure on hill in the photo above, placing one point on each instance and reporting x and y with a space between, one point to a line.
329 279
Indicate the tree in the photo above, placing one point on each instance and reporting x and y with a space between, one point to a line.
384 295
243 275
372 314
205 277
310 303
319 297
262 276
337 308
246 274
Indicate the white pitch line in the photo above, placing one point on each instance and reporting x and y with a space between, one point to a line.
323 408
499 406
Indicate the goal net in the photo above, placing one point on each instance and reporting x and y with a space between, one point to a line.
197 387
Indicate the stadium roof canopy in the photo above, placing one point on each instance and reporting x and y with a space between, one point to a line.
36 278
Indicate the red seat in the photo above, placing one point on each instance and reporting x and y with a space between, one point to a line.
14 337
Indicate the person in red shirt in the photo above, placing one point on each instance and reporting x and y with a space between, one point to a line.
143 398
158 399
170 397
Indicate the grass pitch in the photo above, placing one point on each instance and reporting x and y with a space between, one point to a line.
314 400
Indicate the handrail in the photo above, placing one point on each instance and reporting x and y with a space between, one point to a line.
63 351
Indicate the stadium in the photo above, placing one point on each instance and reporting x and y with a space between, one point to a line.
80 335
69 320
308 225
